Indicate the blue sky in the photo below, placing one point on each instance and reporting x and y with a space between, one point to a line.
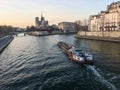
22 12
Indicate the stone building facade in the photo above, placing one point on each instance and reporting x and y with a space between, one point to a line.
66 26
108 20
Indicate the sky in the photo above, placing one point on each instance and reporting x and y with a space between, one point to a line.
22 13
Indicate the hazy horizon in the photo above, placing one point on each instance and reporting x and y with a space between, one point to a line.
21 13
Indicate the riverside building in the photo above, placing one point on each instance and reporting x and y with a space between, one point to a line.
66 26
108 20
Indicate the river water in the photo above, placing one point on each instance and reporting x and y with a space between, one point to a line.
36 63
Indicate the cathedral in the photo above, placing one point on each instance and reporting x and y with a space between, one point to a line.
41 24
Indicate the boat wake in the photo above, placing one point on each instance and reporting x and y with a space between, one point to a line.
100 78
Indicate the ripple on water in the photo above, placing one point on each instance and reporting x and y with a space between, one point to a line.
39 64
101 78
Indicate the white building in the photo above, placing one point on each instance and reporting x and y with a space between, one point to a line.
108 20
66 26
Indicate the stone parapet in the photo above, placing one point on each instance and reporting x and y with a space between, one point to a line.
4 41
106 36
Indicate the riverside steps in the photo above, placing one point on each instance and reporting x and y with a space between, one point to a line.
4 41
113 36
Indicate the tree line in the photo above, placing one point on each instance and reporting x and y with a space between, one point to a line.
81 25
7 30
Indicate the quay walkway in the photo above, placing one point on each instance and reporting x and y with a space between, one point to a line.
4 41
110 39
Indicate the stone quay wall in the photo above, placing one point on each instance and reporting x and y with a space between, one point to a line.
4 41
101 35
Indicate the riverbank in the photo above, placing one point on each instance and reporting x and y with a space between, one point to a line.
45 33
113 36
4 42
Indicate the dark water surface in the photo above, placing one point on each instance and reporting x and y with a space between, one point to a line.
36 63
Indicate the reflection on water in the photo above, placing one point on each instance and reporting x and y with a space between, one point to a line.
36 63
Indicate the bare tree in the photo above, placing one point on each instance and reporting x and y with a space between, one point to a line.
78 25
85 25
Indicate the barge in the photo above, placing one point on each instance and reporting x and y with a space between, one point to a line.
76 55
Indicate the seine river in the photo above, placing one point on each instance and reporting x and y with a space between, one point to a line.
36 63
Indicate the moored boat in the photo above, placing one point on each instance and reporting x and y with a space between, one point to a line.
76 54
